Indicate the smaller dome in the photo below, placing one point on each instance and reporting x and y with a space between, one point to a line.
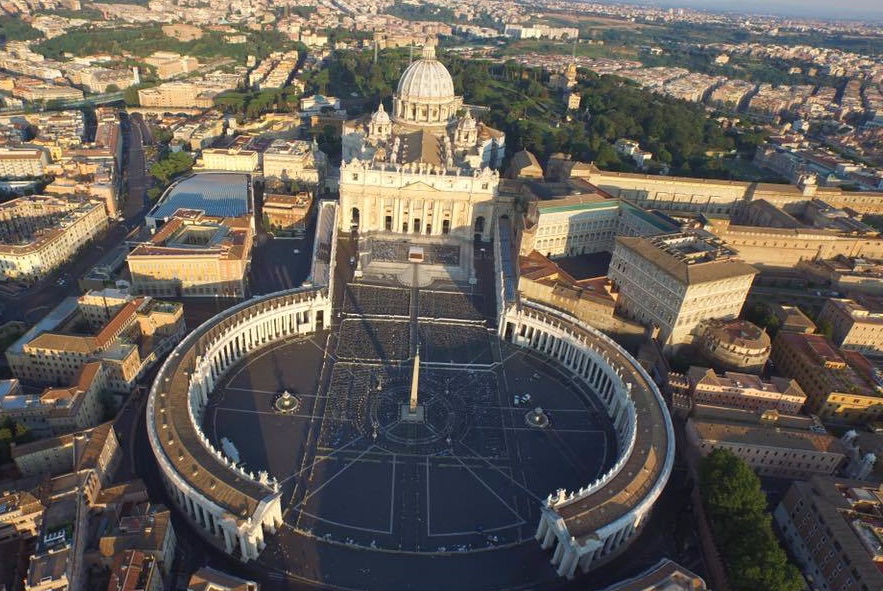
467 123
380 116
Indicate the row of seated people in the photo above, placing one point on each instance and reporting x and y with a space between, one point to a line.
455 343
375 339
373 300
454 305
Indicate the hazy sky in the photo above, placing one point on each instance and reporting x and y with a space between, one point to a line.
846 9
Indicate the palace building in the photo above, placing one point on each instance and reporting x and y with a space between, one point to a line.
427 168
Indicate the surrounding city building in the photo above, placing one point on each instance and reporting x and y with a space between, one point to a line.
792 319
61 410
126 343
589 300
38 234
209 579
840 385
674 282
22 162
178 94
21 515
295 160
772 443
832 527
665 575
287 212
701 385
234 159
573 217
854 327
134 571
194 255
216 194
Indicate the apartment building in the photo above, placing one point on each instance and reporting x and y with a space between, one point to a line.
22 162
61 410
840 385
40 233
238 159
743 391
287 212
178 94
95 452
854 326
194 255
133 570
832 527
673 282
21 515
56 349
145 527
772 443
295 160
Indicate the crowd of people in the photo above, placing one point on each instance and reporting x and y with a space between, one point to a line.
375 339
374 300
463 344
445 304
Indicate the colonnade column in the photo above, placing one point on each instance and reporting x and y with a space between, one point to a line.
568 564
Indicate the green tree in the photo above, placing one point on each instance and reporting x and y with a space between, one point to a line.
174 164
736 507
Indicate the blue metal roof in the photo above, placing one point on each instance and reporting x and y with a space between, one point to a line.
218 194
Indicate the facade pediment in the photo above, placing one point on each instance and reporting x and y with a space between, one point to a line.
418 187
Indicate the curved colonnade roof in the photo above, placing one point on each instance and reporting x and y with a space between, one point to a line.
180 440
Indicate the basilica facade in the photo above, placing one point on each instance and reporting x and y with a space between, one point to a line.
428 168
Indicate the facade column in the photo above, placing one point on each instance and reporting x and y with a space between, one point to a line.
542 528
228 542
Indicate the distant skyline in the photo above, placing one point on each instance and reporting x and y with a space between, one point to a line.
865 10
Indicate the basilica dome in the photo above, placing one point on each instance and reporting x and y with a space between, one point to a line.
426 79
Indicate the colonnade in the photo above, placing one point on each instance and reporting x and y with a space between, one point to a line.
602 366
236 524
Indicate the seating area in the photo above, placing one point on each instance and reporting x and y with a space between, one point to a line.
455 343
374 340
450 304
374 300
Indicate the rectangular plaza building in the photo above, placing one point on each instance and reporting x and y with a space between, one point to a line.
194 255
